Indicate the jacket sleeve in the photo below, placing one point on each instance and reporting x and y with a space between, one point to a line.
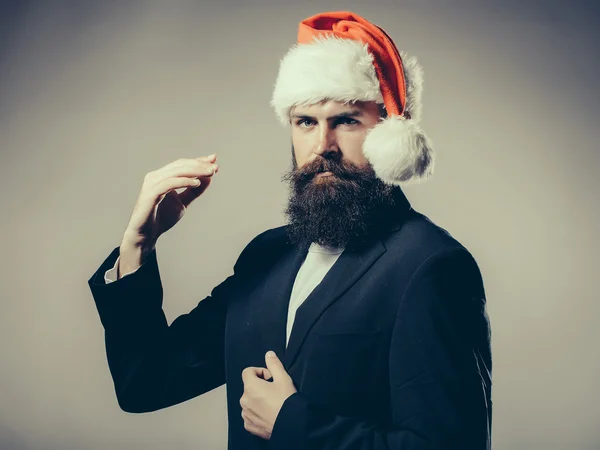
439 373
154 365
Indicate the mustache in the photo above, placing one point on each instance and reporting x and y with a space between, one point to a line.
327 165
344 171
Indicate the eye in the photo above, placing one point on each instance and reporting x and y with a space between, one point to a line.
349 121
303 121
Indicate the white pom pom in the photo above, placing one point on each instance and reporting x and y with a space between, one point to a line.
399 151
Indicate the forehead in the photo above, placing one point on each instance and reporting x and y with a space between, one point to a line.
329 107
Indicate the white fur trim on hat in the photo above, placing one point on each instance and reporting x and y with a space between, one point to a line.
341 69
413 75
328 68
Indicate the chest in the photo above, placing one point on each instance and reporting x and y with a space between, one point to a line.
338 356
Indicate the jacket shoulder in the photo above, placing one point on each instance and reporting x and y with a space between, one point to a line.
264 247
421 246
421 238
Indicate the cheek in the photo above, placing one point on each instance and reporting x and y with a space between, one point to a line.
302 149
352 147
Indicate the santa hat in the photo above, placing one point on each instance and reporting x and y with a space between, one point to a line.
341 56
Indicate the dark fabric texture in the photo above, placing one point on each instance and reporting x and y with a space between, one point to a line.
392 350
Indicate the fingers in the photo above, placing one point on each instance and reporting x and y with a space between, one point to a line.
252 372
175 183
249 415
147 221
275 366
185 172
210 158
253 421
193 168
193 192
178 162
265 373
251 425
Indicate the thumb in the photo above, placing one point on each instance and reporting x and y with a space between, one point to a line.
275 366
191 193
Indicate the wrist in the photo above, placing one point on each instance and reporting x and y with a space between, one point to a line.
135 242
132 254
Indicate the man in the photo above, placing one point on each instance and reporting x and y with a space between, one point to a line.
376 316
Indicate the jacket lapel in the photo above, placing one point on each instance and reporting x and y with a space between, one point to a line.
276 292
275 296
347 270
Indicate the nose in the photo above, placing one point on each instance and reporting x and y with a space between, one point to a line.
326 141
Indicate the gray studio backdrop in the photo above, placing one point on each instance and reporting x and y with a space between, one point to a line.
93 95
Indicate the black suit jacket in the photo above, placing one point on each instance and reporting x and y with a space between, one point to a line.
390 351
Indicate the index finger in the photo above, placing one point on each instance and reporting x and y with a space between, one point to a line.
255 372
207 158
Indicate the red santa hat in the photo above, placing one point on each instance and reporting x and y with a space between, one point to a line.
341 56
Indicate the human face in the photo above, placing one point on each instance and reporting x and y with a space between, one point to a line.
323 129
352 203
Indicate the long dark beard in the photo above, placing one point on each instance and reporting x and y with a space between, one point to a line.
347 208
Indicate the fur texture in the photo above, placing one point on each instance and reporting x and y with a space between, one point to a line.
329 68
399 151
342 69
413 74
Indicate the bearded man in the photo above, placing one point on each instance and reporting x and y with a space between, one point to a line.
360 324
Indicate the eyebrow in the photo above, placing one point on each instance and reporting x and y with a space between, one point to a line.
354 113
